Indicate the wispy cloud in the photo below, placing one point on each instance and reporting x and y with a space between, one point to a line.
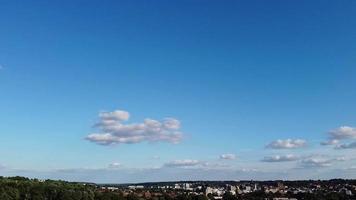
346 146
287 144
330 142
228 156
313 162
316 161
210 166
188 170
114 165
183 163
280 158
113 130
196 164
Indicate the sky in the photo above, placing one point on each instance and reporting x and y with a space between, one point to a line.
134 90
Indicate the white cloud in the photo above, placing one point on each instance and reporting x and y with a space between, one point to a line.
248 170
280 158
183 163
171 123
196 164
330 142
341 133
342 158
320 161
287 144
228 156
113 130
344 132
114 165
346 146
210 166
315 162
118 115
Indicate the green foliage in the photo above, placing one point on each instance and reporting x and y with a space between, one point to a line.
20 188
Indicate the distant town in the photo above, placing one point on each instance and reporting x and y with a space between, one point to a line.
230 190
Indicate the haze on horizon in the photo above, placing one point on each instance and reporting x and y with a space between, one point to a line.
139 91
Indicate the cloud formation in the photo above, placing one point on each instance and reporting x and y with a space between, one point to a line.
196 164
287 144
341 133
183 163
344 132
330 142
280 158
210 166
228 156
114 165
317 161
113 130
346 146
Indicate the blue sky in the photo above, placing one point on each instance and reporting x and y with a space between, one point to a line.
250 86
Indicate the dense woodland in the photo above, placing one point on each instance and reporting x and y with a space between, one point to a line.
19 188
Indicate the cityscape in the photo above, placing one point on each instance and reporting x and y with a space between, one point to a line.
276 190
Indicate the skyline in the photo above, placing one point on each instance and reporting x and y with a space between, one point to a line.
137 91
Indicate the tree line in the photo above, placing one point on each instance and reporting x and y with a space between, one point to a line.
20 188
